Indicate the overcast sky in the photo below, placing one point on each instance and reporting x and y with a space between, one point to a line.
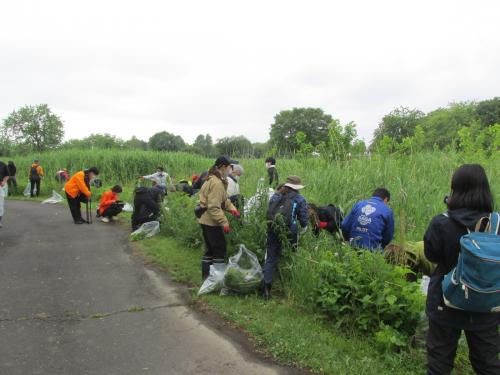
227 67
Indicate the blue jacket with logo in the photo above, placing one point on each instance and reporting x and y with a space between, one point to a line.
370 224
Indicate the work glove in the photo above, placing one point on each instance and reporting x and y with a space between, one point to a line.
235 213
322 225
226 229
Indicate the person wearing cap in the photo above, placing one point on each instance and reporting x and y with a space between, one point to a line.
213 204
160 177
286 196
233 186
370 224
272 172
36 174
78 190
110 205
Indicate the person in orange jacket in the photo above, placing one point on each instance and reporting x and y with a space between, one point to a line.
78 190
110 206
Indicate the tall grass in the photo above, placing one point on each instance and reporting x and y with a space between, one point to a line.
418 182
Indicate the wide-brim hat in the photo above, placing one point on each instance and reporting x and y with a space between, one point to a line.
294 182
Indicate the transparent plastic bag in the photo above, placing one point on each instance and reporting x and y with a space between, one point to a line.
256 202
127 207
146 230
213 283
243 274
56 198
27 190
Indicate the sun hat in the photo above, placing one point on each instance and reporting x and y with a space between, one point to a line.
294 182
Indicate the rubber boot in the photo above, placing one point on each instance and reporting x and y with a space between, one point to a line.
205 270
267 291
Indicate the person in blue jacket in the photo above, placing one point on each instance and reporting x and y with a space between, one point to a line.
287 202
370 224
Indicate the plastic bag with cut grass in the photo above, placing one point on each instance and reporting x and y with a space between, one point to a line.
55 198
243 274
213 283
27 190
146 230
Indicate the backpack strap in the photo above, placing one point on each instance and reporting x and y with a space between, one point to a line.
480 223
495 223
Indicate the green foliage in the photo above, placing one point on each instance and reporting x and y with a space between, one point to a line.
234 146
313 122
358 289
135 143
398 124
341 141
33 128
203 145
165 141
488 111
99 141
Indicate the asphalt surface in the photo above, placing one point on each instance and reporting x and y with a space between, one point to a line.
73 300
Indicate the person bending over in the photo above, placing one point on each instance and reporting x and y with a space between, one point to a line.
110 205
78 191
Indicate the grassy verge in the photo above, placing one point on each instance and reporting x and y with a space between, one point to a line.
281 330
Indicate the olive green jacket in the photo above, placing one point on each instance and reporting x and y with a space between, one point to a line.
213 197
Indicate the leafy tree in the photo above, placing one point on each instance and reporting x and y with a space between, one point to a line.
33 128
260 149
398 124
488 111
136 143
234 146
164 141
204 145
99 141
442 125
313 122
340 140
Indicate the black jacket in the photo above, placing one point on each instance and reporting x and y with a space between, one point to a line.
273 176
12 169
442 246
332 215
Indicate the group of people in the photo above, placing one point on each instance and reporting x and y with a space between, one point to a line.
370 226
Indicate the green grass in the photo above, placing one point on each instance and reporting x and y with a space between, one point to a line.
279 328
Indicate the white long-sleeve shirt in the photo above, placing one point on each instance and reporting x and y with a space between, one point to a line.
160 178
233 188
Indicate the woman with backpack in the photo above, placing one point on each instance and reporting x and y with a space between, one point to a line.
287 209
210 211
471 199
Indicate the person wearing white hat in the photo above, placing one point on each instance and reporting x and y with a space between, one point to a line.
287 209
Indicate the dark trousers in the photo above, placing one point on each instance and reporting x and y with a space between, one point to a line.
145 209
274 250
442 343
12 183
74 206
33 184
215 248
112 210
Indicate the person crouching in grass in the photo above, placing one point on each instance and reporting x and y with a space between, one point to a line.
78 191
110 205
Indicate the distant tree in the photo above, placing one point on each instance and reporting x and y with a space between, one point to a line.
136 143
398 124
260 149
103 141
312 122
33 128
234 146
164 141
488 111
204 145
341 140
442 125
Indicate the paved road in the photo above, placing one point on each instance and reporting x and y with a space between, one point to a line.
74 301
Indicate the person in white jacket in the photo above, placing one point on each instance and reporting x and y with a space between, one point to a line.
233 186
160 177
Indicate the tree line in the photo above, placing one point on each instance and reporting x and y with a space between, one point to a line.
298 131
